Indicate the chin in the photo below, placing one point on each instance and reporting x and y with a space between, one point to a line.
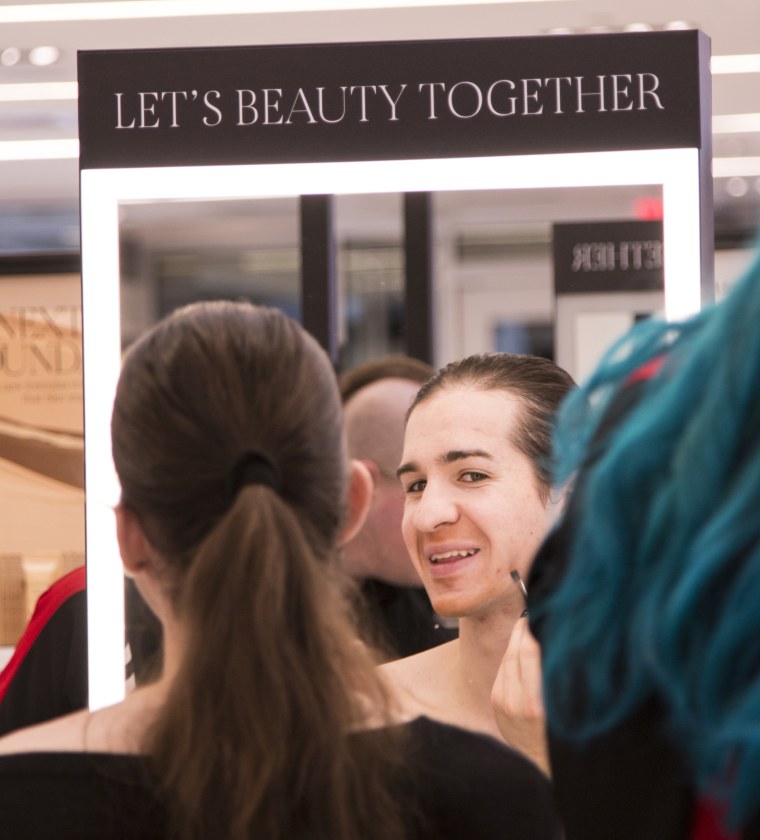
452 606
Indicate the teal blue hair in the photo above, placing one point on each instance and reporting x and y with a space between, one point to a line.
661 596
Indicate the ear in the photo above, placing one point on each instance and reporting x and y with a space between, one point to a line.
373 468
555 503
133 544
360 489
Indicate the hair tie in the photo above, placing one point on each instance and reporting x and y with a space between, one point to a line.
253 468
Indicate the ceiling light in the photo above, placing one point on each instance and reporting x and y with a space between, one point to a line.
44 56
736 187
10 56
736 124
729 167
38 149
638 27
38 91
747 63
130 9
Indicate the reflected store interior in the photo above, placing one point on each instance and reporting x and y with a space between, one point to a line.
492 251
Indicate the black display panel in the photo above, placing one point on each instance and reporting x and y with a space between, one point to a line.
389 101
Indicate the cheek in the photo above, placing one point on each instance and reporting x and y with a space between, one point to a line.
391 517
408 532
538 526
546 514
522 525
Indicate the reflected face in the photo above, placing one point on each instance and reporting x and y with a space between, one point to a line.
472 510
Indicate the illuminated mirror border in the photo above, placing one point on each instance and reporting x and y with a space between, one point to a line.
103 191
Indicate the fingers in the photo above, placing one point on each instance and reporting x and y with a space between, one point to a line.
517 696
529 668
517 688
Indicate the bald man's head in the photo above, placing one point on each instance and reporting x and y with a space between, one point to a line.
374 418
394 366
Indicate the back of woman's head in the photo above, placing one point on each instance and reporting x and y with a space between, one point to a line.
228 443
661 590
538 383
209 384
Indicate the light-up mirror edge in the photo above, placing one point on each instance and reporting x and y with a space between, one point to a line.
102 191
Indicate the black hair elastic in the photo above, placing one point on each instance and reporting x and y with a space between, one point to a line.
253 468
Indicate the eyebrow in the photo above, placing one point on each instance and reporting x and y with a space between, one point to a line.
447 458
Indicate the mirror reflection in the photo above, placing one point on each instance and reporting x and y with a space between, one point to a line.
493 268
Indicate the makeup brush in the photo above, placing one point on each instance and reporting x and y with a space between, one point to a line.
519 581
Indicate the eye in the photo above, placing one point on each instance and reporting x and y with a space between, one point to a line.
472 476
416 486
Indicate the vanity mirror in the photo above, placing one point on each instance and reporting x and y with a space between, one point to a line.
317 121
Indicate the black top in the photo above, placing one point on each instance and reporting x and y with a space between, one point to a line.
47 675
471 787
404 618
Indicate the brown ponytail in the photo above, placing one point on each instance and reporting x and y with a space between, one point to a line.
253 740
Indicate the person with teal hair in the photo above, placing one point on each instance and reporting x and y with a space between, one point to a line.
645 598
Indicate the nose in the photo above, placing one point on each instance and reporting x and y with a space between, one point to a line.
435 507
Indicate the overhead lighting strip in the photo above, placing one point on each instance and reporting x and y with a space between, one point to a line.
129 9
38 91
68 148
736 167
736 124
728 64
18 150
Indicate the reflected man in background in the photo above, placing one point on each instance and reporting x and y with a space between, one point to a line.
399 616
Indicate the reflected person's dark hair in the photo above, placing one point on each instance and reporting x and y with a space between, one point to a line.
537 382
252 741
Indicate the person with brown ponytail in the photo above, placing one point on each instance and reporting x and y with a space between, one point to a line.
269 719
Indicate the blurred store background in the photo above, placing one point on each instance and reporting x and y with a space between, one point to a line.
493 249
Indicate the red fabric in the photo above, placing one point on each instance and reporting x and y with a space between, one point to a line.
646 371
707 824
44 609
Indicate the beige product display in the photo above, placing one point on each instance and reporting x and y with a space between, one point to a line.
41 442
12 613
39 571
22 581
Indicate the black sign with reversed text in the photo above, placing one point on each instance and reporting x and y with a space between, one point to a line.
604 256
390 101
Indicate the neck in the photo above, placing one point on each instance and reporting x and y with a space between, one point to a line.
481 646
483 641
125 725
173 649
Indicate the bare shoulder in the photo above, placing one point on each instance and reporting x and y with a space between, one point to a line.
417 680
117 729
423 664
64 734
